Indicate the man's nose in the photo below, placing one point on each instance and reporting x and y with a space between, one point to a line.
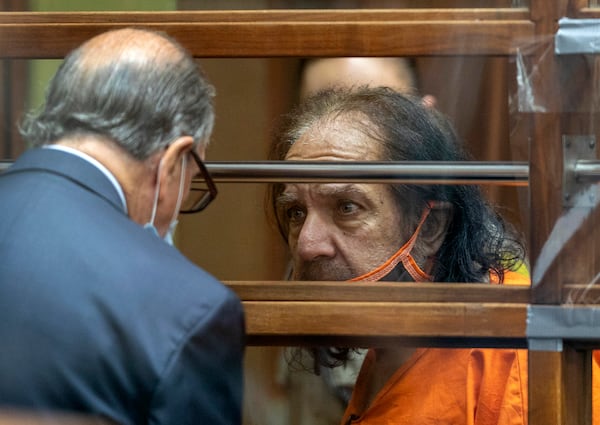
315 238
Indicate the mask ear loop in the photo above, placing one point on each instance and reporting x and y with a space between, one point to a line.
403 254
179 195
181 181
156 193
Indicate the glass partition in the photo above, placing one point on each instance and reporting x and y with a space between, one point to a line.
139 5
501 106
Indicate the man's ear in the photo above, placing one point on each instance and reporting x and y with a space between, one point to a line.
171 161
170 172
435 228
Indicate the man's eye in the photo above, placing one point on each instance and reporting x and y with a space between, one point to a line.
348 207
295 214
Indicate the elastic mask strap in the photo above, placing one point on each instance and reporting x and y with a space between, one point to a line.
156 193
403 254
181 184
179 195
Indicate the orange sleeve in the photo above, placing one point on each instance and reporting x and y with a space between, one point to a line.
596 387
497 387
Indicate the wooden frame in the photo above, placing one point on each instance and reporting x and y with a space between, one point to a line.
292 33
300 312
284 313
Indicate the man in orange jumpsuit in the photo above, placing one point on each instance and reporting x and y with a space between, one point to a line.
371 232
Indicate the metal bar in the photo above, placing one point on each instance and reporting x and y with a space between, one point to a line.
500 173
424 172
587 171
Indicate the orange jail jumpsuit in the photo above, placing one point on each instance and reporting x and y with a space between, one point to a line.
596 387
445 386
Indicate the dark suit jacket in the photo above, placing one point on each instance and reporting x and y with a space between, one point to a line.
98 315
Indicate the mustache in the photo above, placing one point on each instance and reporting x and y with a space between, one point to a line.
323 269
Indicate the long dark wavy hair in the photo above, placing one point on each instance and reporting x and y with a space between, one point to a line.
479 242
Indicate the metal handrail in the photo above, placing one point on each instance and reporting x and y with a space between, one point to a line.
405 172
587 171
421 172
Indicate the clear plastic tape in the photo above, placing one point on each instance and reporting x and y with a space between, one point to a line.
548 326
574 54
577 36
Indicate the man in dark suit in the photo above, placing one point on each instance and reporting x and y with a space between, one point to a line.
98 313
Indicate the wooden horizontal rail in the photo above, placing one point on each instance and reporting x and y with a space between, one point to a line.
289 34
588 13
289 15
366 314
378 292
388 313
305 322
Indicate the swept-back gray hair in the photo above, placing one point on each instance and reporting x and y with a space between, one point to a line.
142 99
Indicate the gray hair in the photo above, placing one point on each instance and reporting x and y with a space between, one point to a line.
142 105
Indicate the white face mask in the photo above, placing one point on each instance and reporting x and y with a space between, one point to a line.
171 230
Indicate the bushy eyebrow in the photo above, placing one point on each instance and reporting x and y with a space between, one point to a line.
284 199
325 190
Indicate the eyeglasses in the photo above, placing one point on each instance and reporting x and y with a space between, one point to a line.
202 190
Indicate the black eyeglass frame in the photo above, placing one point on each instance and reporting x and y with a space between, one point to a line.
209 195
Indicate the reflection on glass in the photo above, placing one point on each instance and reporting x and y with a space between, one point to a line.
22 86
165 5
101 5
394 4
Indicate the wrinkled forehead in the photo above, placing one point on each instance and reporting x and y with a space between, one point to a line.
335 139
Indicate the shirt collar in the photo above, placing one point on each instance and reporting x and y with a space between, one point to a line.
110 176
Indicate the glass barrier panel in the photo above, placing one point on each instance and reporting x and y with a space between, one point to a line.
500 109
164 5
